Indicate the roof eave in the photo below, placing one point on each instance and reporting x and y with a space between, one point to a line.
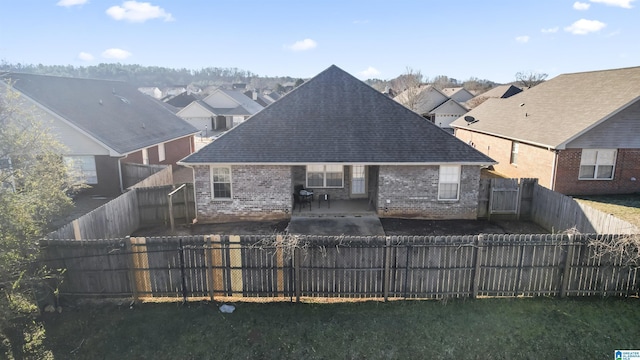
465 163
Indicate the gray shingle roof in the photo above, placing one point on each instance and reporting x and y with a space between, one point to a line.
248 104
501 91
112 112
335 117
558 110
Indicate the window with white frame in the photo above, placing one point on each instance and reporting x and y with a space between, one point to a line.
221 182
597 164
161 154
83 168
449 182
514 152
325 176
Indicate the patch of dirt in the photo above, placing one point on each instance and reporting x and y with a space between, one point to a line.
413 227
392 227
231 228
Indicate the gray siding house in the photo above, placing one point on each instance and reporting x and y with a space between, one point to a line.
338 136
103 124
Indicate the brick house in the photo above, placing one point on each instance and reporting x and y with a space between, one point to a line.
103 124
579 133
337 136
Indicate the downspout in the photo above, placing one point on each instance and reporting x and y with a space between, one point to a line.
554 166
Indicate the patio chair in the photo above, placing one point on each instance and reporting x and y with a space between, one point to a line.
301 201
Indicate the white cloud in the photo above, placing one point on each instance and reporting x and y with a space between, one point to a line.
522 39
371 71
583 27
581 6
134 11
85 56
550 30
620 3
302 45
118 54
68 3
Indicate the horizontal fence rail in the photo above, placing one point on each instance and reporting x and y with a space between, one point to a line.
288 267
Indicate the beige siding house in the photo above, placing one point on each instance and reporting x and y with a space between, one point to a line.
579 133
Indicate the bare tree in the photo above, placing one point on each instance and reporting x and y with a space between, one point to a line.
409 85
529 79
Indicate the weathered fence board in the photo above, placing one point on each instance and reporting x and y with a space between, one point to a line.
557 213
140 175
117 218
269 267
128 212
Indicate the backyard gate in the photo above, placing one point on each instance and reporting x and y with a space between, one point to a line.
507 198
504 197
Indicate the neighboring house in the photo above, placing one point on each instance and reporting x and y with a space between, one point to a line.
272 96
260 99
338 136
458 94
446 113
422 99
432 104
104 124
579 133
152 91
501 91
174 90
221 110
181 100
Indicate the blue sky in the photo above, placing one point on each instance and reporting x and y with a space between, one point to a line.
370 39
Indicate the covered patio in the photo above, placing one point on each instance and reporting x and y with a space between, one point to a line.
334 208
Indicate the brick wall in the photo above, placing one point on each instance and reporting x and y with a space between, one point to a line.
412 192
627 167
174 151
533 161
258 193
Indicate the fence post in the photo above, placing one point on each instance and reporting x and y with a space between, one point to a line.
171 221
209 257
567 267
296 270
520 187
132 269
476 267
279 265
387 268
406 270
182 275
519 271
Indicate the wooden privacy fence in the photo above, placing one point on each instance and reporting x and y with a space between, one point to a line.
507 198
129 212
287 267
557 212
162 176
132 174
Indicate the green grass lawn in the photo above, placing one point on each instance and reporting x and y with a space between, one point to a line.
625 207
537 328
